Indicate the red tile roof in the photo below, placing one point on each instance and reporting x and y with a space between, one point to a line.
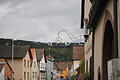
64 65
33 52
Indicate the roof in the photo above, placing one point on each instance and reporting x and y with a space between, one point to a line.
19 51
64 65
50 58
5 41
4 61
32 52
55 66
78 52
39 54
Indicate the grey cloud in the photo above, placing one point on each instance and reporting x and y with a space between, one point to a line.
3 1
41 19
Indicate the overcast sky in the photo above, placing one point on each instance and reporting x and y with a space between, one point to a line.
39 20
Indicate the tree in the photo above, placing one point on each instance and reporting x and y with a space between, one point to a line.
82 66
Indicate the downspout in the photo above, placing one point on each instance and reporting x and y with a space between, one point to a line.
115 28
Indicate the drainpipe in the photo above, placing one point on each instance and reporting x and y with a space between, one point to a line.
116 28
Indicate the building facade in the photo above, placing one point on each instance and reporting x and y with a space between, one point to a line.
34 67
2 71
104 20
88 54
41 64
49 68
78 53
21 61
56 72
7 70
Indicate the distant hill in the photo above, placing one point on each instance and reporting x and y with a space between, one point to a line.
60 51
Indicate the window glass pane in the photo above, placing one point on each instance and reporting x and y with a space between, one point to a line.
28 64
27 75
34 64
24 63
33 75
24 75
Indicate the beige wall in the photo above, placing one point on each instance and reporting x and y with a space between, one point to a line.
99 35
7 72
34 68
76 64
27 68
88 44
2 74
98 48
87 8
88 52
17 68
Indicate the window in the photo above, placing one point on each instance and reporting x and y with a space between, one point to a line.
27 75
24 62
33 75
34 64
87 66
28 64
24 75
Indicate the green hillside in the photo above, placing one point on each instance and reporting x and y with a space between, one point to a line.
60 51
